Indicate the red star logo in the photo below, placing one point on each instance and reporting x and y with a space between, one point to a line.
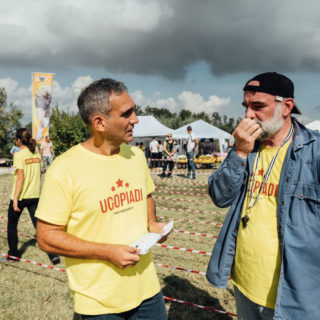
113 188
127 185
119 183
260 172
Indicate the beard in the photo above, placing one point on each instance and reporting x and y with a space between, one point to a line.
270 127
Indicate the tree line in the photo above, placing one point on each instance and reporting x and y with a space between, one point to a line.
67 129
177 120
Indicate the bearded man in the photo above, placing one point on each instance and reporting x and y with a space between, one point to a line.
269 243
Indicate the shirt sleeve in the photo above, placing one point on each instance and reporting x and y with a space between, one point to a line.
225 183
18 161
56 198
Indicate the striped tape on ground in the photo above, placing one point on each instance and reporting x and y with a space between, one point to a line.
183 200
183 249
165 297
196 234
32 262
181 181
213 223
200 306
181 193
204 189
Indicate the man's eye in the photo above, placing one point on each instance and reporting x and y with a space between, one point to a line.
127 113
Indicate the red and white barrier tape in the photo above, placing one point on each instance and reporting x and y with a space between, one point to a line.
4 194
181 188
183 193
181 181
200 306
32 262
196 234
217 224
191 210
180 269
183 200
178 172
27 221
166 298
182 249
20 234
157 244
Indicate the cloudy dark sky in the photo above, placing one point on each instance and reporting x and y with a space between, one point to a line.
174 53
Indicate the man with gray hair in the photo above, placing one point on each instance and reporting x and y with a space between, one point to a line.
95 202
269 243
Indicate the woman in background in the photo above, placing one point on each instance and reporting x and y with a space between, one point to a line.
26 189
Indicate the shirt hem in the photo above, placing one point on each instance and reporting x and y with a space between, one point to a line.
100 309
253 299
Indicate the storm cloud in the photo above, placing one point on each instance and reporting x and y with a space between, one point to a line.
161 37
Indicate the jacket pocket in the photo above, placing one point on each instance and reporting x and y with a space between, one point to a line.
305 205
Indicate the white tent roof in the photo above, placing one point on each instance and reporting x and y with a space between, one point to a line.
202 130
149 126
314 125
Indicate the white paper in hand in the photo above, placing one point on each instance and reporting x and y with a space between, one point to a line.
145 242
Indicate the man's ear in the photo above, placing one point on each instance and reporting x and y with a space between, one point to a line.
288 105
99 123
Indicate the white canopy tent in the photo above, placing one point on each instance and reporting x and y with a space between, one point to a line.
314 125
149 126
203 130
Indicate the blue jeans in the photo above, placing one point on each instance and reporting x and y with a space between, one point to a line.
152 308
248 310
191 166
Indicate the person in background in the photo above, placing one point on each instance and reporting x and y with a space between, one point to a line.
26 190
154 149
191 148
46 151
95 202
212 148
169 152
269 242
142 147
160 153
14 150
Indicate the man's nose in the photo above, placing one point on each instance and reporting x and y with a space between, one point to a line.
134 119
250 113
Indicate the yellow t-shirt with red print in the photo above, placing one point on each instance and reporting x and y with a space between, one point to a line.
30 163
102 199
256 267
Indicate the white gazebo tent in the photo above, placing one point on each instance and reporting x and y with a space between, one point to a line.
203 130
149 126
314 125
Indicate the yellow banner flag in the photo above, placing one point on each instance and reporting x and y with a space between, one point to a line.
41 100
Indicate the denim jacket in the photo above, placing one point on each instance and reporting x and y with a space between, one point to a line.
298 212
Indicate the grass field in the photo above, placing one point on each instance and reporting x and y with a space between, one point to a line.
33 292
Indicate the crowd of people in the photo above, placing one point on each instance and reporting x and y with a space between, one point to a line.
270 179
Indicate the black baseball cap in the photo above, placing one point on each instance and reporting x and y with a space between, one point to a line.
275 84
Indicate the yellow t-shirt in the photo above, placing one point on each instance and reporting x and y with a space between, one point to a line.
102 199
30 163
257 262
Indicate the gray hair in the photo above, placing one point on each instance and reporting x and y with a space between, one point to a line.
94 99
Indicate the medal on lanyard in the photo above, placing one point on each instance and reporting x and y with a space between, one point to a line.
246 219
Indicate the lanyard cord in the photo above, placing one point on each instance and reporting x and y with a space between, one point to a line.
268 171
